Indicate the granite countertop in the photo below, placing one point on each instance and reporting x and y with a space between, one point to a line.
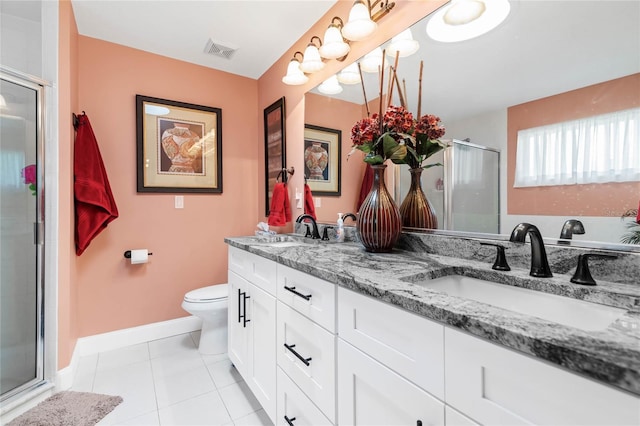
610 356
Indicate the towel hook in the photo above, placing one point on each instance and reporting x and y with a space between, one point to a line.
75 119
283 173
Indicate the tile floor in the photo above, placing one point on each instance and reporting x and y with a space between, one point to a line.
168 382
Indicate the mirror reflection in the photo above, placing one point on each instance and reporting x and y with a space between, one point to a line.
548 62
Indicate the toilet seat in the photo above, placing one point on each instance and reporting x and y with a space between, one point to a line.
207 294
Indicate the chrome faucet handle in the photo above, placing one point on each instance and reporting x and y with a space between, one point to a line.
500 263
582 274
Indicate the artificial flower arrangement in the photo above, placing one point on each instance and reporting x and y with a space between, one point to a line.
398 136
29 177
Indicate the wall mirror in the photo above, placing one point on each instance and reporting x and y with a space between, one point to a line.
570 56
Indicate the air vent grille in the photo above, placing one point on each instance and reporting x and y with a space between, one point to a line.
218 49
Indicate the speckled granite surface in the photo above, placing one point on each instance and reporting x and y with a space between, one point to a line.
610 355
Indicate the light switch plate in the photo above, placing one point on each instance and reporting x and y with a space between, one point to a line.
179 202
318 201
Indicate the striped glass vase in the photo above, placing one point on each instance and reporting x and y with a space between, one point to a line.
416 210
379 223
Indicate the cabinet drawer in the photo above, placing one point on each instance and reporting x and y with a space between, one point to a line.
371 394
253 268
405 342
309 295
495 385
314 346
294 405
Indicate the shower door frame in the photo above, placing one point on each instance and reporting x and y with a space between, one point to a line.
38 86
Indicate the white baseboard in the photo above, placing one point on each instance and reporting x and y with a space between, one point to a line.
120 338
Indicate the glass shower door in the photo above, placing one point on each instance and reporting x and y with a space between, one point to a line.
21 331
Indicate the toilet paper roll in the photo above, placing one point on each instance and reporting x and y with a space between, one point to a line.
139 256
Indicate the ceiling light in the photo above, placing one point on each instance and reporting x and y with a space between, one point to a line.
330 86
372 61
451 27
462 12
404 44
312 61
360 25
334 46
295 76
350 74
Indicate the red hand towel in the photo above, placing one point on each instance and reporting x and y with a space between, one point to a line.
94 203
638 216
365 188
309 208
280 211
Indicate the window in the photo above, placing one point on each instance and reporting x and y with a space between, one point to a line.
598 149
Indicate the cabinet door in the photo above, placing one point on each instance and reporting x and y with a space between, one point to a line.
498 386
238 338
261 379
371 394
294 406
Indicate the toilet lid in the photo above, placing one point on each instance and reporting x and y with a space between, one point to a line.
207 294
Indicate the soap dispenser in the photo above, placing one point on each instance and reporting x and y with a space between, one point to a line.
340 229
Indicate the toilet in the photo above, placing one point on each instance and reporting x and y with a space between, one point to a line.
210 304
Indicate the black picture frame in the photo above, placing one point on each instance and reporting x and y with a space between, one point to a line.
179 146
326 179
275 158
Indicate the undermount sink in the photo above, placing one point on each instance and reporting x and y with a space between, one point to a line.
586 316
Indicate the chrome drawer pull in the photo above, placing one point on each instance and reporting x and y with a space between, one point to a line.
300 357
293 290
289 421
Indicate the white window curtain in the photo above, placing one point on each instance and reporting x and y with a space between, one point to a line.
469 164
598 149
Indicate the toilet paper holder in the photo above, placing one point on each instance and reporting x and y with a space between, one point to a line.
127 254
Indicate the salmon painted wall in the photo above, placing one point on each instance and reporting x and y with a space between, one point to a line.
604 199
187 244
336 114
67 103
271 87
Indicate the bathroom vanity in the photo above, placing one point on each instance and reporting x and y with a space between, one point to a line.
326 333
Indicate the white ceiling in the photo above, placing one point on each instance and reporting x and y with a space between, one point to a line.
261 30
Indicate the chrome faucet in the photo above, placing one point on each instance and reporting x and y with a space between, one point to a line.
539 263
351 215
315 233
570 227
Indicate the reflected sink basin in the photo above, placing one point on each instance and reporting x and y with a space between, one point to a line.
586 316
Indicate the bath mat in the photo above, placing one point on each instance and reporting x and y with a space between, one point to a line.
68 408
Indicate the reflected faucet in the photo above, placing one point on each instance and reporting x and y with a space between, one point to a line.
315 233
570 227
351 215
539 263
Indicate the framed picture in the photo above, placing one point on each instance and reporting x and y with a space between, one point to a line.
322 153
274 147
179 146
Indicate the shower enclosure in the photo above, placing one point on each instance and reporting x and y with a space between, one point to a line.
21 226
465 191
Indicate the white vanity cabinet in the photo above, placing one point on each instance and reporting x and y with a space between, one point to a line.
252 324
306 342
390 364
498 386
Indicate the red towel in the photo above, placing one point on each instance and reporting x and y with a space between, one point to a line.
280 211
365 188
638 216
94 203
309 208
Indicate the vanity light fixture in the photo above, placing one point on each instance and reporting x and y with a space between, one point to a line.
330 86
334 46
467 19
3 103
312 61
404 44
295 76
350 74
372 61
362 19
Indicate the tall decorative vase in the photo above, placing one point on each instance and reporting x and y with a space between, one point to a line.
379 222
316 159
416 210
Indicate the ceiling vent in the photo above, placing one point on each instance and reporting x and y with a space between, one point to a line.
218 49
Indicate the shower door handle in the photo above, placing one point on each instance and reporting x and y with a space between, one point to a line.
38 233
